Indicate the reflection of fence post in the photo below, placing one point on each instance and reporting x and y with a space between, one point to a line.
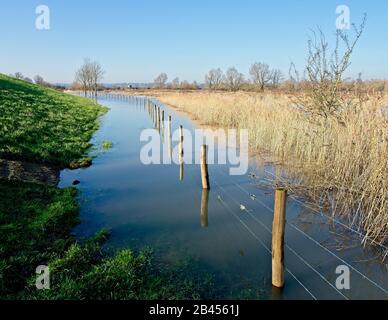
204 171
162 126
181 152
158 118
279 222
169 137
181 168
204 208
180 140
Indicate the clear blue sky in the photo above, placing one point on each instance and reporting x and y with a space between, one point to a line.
136 40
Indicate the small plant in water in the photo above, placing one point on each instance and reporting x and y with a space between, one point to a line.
106 145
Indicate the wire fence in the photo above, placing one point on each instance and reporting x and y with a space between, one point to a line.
223 195
293 226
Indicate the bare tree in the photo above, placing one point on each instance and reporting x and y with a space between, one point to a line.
89 75
233 79
39 80
83 76
160 80
175 83
276 77
19 75
261 74
324 71
213 79
185 84
96 75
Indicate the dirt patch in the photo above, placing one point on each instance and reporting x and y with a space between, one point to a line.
28 172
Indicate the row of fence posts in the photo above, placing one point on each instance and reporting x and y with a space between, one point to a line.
279 218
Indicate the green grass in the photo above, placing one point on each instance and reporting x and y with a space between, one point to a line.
43 125
85 272
35 225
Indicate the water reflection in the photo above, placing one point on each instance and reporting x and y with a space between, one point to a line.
277 293
134 201
204 208
169 137
181 153
181 166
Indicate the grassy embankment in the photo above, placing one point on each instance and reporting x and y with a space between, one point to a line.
46 126
340 165
43 125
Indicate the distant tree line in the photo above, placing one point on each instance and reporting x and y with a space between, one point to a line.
37 80
160 82
261 77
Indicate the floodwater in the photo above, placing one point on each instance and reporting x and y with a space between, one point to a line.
227 231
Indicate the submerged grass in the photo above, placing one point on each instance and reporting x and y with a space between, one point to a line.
35 225
106 145
339 165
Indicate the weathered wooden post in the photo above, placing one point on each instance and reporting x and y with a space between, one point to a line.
204 171
278 227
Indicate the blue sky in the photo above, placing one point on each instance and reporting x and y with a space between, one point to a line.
136 40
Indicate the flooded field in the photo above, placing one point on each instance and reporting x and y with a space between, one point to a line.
226 231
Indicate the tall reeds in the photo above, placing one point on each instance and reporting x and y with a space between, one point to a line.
341 163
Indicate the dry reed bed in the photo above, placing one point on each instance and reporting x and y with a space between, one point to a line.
343 163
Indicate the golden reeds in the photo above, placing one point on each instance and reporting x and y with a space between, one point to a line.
346 161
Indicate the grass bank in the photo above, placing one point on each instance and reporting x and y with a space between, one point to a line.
340 166
39 124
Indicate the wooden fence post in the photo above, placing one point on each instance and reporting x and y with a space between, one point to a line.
204 171
278 227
